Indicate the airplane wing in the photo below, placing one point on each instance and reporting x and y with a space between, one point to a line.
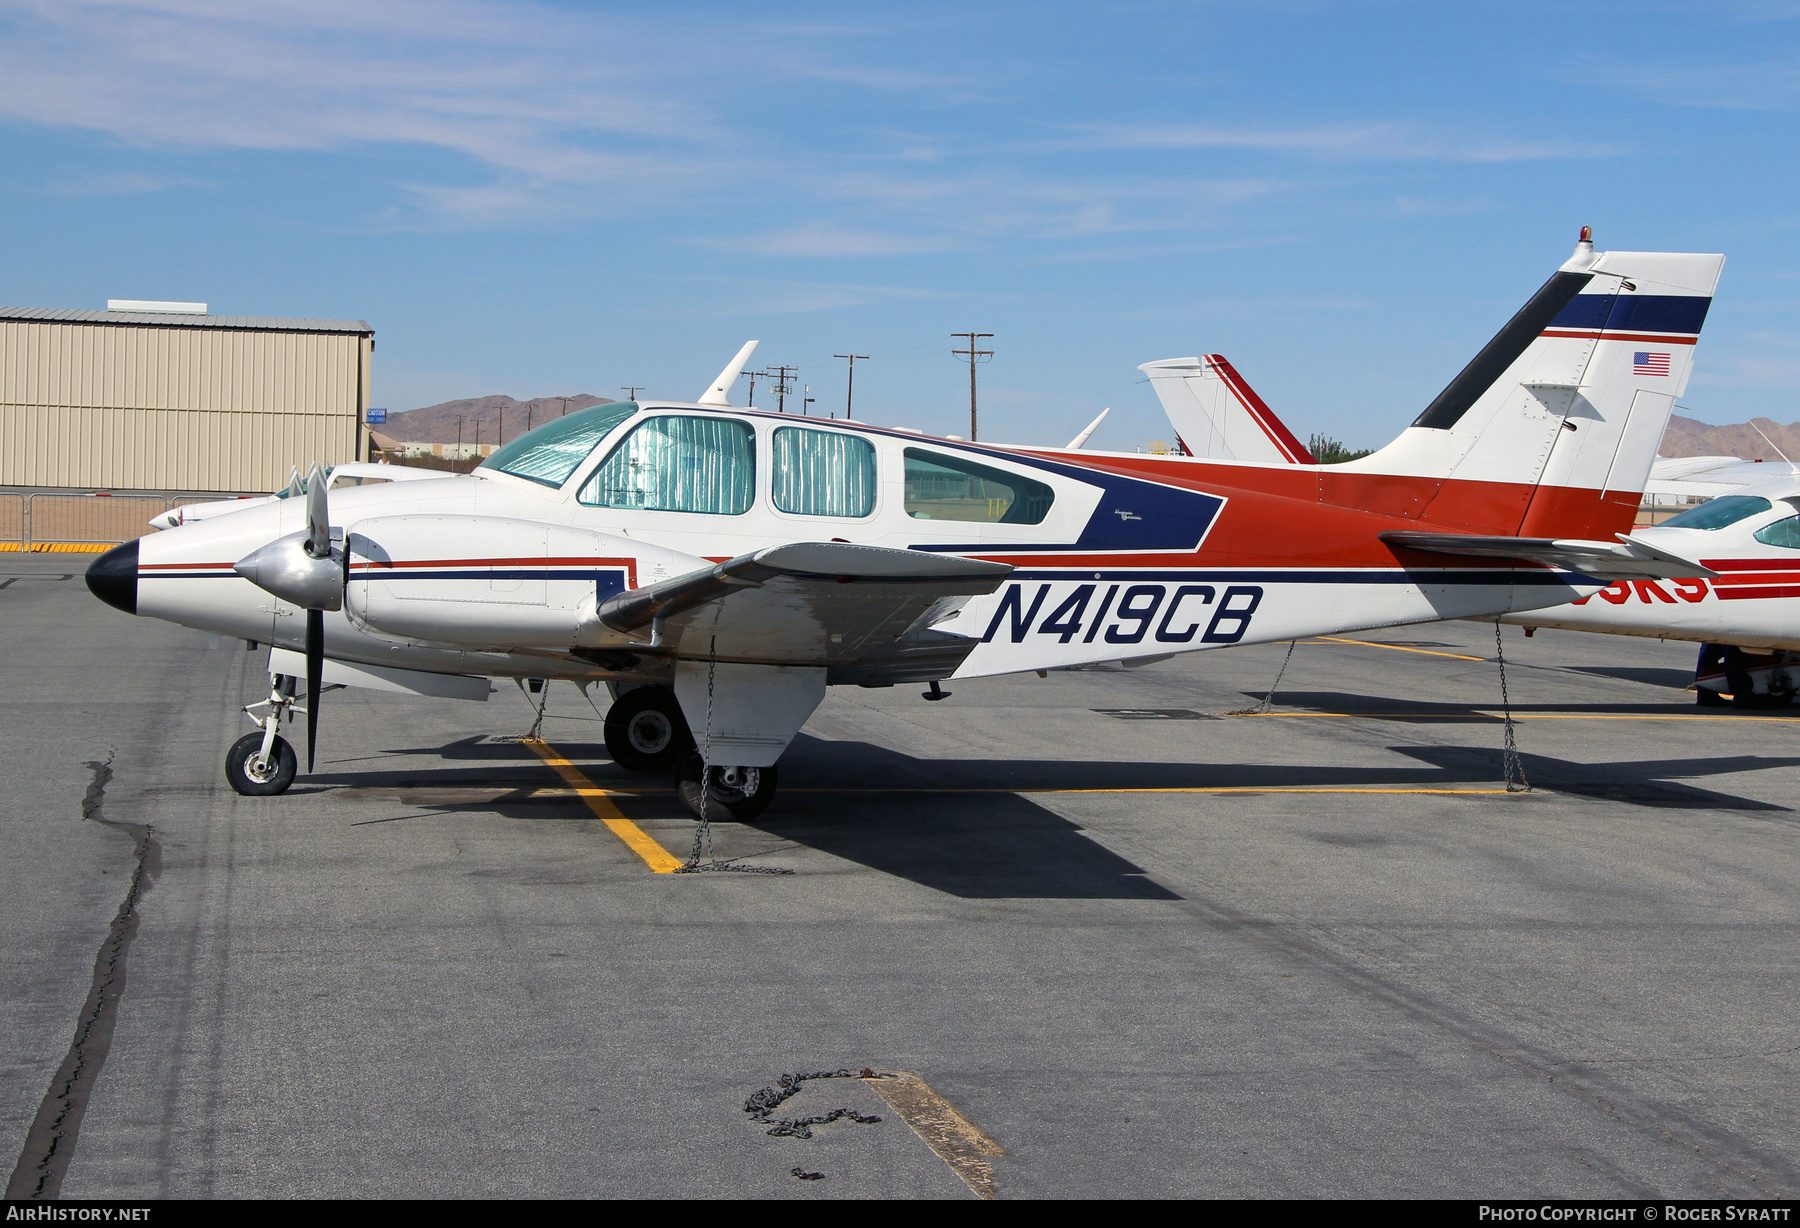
864 612
1626 559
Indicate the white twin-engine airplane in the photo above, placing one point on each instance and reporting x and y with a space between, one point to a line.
719 568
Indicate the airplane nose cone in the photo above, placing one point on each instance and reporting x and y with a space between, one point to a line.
113 577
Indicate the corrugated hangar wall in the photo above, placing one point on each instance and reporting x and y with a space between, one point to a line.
117 401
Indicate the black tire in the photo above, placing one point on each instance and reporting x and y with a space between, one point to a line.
645 730
738 803
1710 699
276 776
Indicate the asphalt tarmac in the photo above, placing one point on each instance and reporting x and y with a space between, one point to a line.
1143 948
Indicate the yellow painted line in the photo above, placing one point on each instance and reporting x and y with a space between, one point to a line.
945 791
1521 716
1397 647
56 547
635 838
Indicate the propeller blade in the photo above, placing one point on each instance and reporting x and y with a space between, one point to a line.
315 678
296 485
318 514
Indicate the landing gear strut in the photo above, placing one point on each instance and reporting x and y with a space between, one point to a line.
261 764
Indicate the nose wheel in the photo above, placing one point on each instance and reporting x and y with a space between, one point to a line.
735 793
262 764
255 772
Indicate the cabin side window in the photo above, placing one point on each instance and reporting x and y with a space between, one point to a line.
823 473
680 463
945 487
1783 533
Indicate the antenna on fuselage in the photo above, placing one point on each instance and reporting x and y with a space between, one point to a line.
1792 468
717 394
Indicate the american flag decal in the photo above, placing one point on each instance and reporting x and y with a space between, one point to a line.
1647 363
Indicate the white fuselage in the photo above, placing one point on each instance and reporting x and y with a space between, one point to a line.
495 574
1754 601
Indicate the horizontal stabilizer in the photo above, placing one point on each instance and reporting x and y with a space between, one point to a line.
1625 559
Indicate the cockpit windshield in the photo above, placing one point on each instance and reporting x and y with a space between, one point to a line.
1717 513
554 450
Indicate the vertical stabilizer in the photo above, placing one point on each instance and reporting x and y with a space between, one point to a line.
1558 417
1218 416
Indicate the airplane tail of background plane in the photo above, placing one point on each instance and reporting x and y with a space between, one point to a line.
1217 415
1549 432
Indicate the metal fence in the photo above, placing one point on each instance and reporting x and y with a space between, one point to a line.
49 521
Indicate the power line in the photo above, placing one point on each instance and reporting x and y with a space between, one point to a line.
850 388
974 356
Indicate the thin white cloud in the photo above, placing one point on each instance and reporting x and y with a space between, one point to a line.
1771 85
125 183
1338 142
826 239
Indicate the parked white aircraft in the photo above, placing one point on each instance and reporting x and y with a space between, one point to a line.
718 568
359 473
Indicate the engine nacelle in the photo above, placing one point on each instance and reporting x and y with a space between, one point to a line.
491 580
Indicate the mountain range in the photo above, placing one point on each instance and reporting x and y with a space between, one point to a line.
482 419
1687 437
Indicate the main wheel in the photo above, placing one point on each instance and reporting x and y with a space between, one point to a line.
735 793
252 777
645 731
1710 699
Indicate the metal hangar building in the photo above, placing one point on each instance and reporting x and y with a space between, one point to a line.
161 396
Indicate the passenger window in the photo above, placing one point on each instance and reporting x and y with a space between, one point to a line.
679 464
943 487
1783 533
823 473
1717 513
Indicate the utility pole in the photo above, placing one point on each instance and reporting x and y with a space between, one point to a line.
753 377
630 391
529 406
502 424
808 399
974 356
459 423
781 375
850 388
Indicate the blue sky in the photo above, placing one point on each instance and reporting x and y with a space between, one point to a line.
1345 199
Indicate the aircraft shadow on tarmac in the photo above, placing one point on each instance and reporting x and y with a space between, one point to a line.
969 827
